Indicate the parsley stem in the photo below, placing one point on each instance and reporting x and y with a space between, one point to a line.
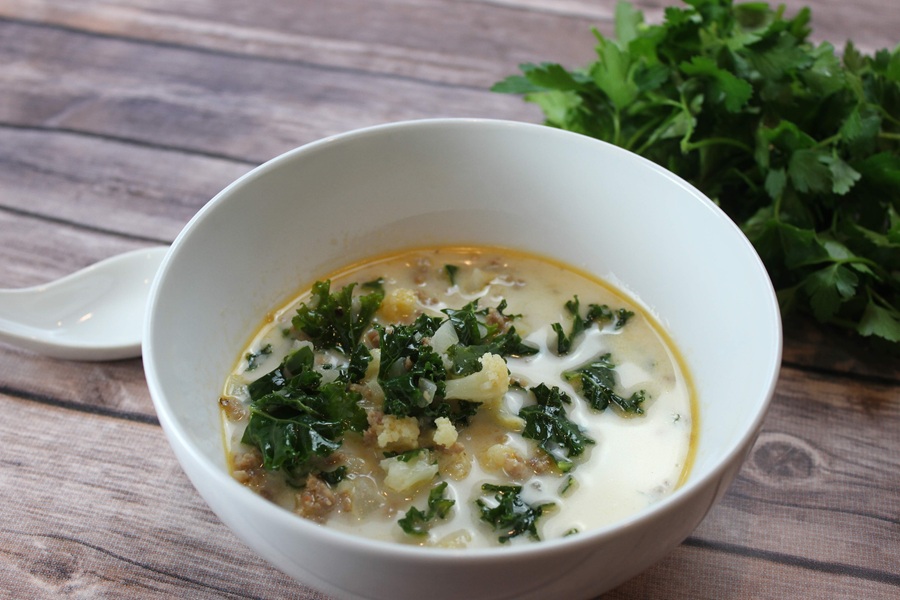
877 298
617 128
688 146
829 140
861 260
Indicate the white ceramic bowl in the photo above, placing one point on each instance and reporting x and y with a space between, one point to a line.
532 187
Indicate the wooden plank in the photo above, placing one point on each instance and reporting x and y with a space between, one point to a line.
821 480
109 185
116 389
701 573
807 343
60 544
35 250
113 516
192 101
461 43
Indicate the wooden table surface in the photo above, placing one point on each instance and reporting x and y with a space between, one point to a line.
119 119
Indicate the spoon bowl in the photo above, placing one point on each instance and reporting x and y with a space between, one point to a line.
94 314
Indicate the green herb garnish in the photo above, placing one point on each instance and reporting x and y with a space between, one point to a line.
596 313
451 271
476 337
546 422
335 476
411 374
332 320
799 145
597 381
417 522
294 419
510 514
254 358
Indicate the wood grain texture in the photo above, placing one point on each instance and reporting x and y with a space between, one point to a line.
119 119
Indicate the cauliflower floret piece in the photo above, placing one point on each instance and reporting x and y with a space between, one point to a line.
455 539
501 457
399 305
488 384
445 435
454 462
401 433
408 472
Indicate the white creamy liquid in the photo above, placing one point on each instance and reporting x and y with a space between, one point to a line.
635 460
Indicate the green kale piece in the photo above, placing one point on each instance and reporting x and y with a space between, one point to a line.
360 358
295 373
336 320
254 358
597 380
451 271
476 337
798 143
469 323
417 522
335 476
293 419
546 422
510 515
596 313
375 285
411 373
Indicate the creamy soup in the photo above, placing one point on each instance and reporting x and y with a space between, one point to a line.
460 397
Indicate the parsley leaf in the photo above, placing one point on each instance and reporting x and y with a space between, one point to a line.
799 144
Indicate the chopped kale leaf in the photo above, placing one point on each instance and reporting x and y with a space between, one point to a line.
411 374
293 419
336 320
417 522
335 476
598 382
356 369
451 271
469 323
376 285
546 422
254 358
510 515
596 313
477 337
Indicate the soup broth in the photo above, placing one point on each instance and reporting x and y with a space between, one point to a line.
460 397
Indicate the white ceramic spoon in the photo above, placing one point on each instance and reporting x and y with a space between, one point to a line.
94 314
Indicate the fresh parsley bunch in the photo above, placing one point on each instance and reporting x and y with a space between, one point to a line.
799 145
